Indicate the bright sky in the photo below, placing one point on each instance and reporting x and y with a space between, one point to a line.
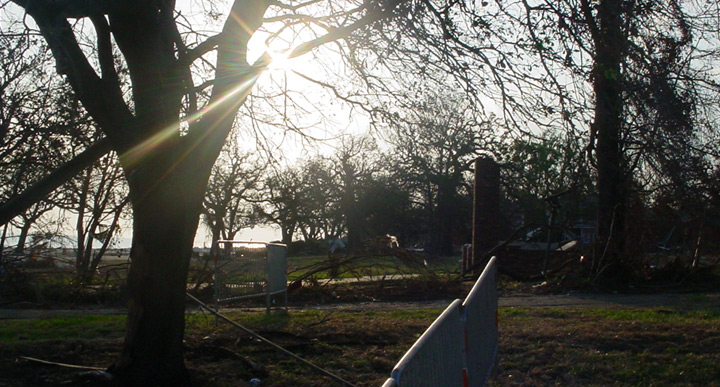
323 118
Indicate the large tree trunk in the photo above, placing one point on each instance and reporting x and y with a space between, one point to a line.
607 82
167 170
166 208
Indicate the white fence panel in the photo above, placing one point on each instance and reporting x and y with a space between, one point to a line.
481 331
436 358
459 347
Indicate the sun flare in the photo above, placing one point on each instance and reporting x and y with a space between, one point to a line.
280 60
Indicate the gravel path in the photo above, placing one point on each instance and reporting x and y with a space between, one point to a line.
571 300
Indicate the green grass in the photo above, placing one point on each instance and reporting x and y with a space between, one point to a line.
73 327
654 315
300 266
646 315
370 266
62 327
538 346
603 346
516 313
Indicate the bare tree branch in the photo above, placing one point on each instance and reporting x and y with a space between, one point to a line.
39 191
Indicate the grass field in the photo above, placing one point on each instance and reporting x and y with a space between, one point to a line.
632 347
537 346
369 266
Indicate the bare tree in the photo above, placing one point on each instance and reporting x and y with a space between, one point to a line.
167 164
32 139
281 197
354 167
187 88
98 198
645 70
320 215
436 144
235 179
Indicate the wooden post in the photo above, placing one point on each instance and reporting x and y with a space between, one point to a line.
486 192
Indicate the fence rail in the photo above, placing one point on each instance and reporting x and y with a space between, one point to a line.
459 347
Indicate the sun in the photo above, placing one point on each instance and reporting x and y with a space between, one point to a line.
280 60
